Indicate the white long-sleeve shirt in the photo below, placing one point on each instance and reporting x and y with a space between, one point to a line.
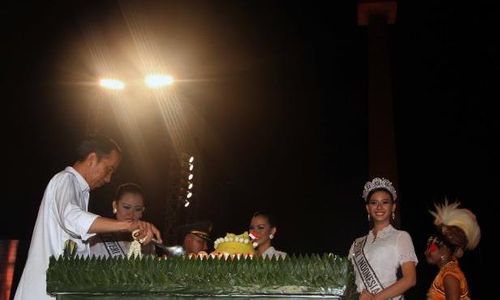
62 216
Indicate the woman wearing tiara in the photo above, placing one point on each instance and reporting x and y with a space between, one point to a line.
378 255
457 231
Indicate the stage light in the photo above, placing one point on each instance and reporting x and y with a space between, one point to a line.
156 81
112 84
186 179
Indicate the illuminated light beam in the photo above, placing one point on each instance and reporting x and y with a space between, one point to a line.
156 81
112 84
174 119
128 122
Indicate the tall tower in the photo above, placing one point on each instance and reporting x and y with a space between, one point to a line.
376 16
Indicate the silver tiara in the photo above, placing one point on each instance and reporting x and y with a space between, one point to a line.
379 183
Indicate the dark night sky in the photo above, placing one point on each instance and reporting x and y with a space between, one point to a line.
275 97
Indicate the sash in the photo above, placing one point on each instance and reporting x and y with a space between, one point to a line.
365 270
112 246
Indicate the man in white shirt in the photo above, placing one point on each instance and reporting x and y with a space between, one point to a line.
63 214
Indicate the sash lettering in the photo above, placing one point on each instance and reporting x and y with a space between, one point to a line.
112 245
365 270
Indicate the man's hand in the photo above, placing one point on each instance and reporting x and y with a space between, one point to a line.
146 231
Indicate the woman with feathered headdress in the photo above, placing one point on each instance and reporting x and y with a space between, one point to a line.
458 230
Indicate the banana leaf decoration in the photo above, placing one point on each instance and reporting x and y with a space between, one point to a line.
315 275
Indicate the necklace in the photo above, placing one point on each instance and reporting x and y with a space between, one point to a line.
451 260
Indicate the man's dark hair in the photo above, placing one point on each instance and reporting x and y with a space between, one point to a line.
101 145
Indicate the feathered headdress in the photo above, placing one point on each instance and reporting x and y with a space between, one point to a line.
448 216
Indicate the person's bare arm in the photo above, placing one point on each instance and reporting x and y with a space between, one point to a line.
451 287
408 280
365 295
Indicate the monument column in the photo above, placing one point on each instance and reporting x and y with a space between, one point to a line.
376 16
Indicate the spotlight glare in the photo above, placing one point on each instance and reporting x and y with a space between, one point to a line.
155 81
112 84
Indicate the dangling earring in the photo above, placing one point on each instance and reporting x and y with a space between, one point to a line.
393 215
271 236
369 219
115 210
